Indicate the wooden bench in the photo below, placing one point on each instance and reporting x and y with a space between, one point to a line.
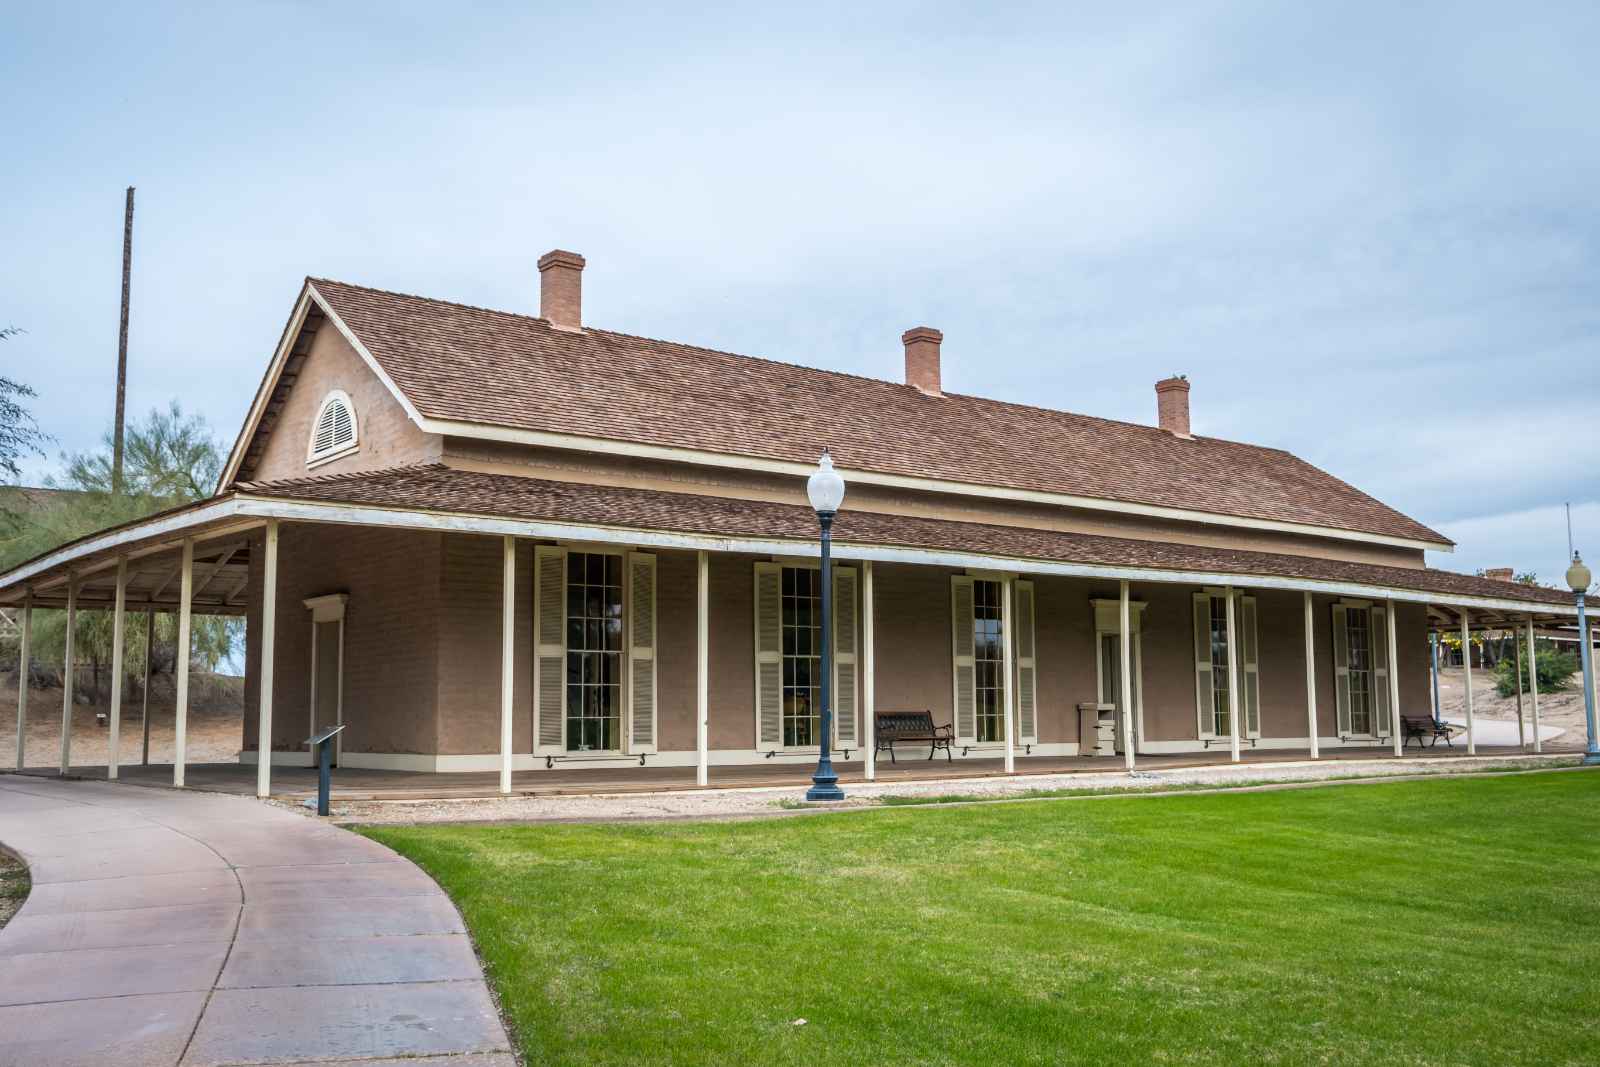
1420 726
916 726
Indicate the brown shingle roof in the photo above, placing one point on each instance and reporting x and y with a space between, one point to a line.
436 487
474 365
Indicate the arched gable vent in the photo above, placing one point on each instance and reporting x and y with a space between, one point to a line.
334 432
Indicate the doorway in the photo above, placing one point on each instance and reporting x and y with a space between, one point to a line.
327 666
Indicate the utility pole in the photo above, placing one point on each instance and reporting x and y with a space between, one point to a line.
122 346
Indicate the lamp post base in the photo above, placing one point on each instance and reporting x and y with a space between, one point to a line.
1591 759
825 784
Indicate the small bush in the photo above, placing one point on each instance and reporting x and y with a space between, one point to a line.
1555 672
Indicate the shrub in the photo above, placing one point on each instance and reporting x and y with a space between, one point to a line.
1555 671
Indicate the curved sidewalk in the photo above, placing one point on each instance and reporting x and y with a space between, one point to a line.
170 928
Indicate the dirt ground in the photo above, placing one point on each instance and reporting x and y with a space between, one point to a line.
215 729
1563 709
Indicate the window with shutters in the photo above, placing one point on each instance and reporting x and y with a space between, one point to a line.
594 652
1213 699
333 432
802 656
1358 645
988 651
1222 720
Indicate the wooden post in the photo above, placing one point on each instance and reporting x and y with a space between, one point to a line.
1311 678
67 674
1008 657
1533 674
24 654
149 652
1466 670
1125 628
1233 678
1394 679
118 625
269 653
180 723
702 669
508 649
1516 646
122 346
869 703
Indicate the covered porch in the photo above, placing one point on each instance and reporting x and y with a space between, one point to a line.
426 609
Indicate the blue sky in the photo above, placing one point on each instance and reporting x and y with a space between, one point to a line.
1367 234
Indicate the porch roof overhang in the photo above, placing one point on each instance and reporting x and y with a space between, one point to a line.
441 498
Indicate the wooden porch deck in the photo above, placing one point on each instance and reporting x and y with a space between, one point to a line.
364 784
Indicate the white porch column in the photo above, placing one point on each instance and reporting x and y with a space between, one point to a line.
1516 648
1124 629
149 650
1311 678
869 703
1394 678
22 679
1466 670
1007 658
180 662
269 652
1233 677
702 669
1533 675
118 626
67 674
508 650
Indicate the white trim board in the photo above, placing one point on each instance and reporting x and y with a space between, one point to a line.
1220 744
686 758
245 506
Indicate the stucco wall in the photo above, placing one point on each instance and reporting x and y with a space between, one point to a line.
385 435
390 639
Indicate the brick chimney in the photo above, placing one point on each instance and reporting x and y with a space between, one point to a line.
1172 405
922 359
561 289
1501 574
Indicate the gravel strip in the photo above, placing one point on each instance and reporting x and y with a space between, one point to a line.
757 802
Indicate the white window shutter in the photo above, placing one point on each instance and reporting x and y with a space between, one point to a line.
1250 682
641 652
550 652
335 426
1205 697
769 655
1379 639
965 672
845 716
1027 665
1341 666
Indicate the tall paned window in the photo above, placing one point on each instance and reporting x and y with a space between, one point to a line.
1358 642
594 652
988 651
802 656
1223 723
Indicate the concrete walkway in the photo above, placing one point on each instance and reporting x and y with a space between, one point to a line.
177 928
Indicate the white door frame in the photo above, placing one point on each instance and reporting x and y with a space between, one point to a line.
1108 623
329 608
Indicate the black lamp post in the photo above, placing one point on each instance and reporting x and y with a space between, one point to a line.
825 488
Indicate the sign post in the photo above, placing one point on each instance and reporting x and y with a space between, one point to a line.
322 745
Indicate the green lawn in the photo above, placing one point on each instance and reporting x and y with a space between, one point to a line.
1447 921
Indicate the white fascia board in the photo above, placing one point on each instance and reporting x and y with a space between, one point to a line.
698 457
372 364
166 526
357 515
280 356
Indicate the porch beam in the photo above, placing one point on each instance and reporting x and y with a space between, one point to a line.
1466 671
1007 659
1394 678
1233 676
508 648
216 568
702 669
149 653
1533 677
67 674
118 635
1126 676
180 723
1311 678
269 652
23 654
1516 650
869 699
